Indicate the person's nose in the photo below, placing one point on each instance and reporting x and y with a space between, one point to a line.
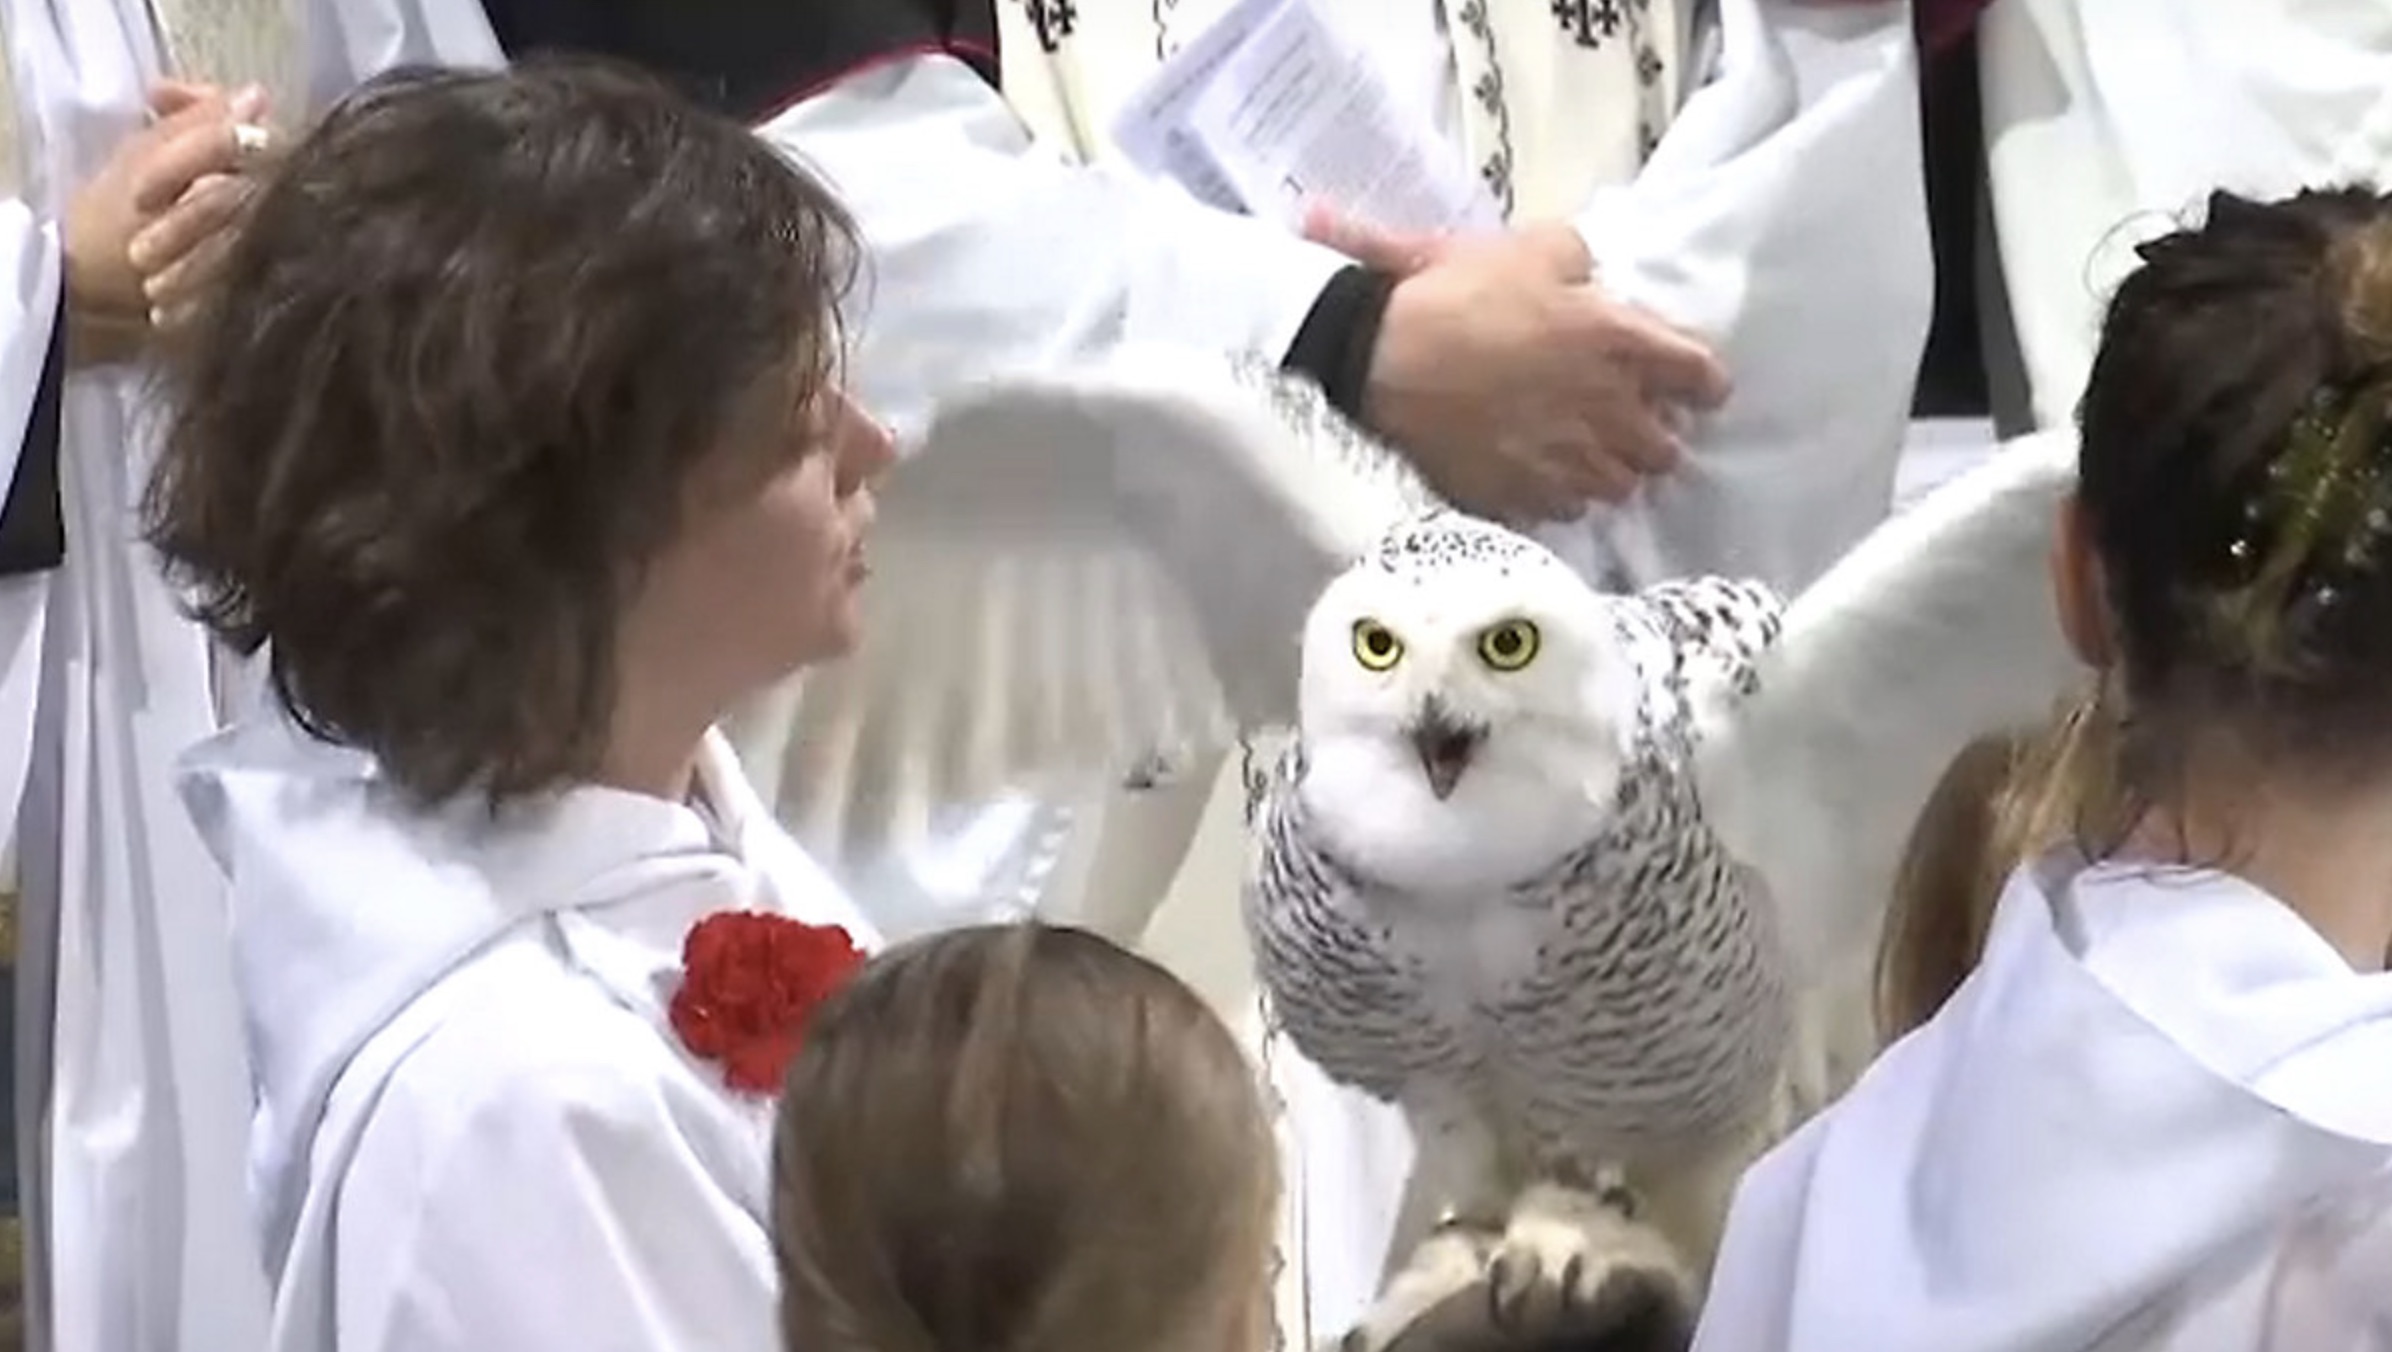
866 446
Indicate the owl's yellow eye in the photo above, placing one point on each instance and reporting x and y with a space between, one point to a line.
1375 645
1510 645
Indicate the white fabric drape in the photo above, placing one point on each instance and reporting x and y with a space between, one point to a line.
1784 217
2109 123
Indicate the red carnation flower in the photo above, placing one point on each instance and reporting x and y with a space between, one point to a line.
749 982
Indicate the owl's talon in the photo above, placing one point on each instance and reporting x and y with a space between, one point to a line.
1512 1281
1575 1262
1585 1279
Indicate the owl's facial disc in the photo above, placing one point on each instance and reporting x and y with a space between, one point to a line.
1445 743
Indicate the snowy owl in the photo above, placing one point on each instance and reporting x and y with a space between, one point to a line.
1557 873
1485 889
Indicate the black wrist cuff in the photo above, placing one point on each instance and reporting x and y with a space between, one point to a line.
1340 333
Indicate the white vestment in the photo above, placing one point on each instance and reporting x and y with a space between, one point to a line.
476 1128
2155 1119
133 1093
2109 123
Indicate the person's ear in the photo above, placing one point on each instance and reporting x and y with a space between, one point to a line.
2077 592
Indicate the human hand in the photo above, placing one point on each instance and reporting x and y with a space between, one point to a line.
1520 389
152 191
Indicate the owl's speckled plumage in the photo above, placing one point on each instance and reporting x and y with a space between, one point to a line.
1623 1002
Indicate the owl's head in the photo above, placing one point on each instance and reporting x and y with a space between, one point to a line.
1461 708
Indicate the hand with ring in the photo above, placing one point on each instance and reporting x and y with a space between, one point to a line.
140 231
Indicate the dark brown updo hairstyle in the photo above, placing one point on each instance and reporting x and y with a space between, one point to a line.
1022 1138
475 344
2236 485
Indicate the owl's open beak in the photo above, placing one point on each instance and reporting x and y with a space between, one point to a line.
1446 745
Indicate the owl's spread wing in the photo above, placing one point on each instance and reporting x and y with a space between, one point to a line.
1076 571
1936 629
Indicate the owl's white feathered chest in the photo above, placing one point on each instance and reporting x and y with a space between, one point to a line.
1624 1003
1466 950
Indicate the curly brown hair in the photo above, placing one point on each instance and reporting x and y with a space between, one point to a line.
453 386
1022 1139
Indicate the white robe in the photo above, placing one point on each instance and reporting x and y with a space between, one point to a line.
127 1026
2156 1118
2108 123
476 1127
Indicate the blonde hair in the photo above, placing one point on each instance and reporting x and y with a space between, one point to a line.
1023 1139
2005 799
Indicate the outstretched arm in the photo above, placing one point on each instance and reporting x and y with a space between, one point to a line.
1485 367
985 247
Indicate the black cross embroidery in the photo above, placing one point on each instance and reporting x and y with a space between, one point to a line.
1589 22
1054 20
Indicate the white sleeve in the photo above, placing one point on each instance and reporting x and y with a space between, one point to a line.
1783 217
987 249
28 314
351 41
571 1206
